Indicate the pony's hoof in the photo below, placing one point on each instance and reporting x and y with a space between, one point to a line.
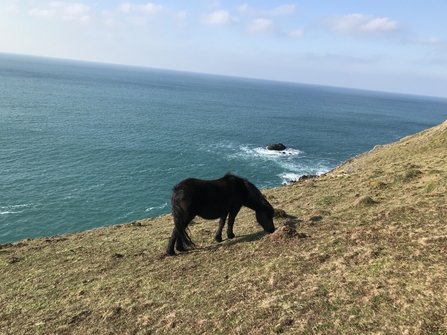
171 252
218 239
231 235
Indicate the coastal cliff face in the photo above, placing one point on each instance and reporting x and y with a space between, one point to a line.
361 249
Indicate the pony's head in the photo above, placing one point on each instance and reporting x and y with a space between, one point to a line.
257 202
265 218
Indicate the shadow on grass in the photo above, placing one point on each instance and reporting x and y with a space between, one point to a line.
230 242
292 221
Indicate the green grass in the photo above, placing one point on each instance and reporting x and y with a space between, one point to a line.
369 256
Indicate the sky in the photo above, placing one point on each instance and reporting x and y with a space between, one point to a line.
393 45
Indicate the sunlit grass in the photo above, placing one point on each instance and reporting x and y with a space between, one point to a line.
369 256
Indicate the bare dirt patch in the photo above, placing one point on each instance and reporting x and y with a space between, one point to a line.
285 233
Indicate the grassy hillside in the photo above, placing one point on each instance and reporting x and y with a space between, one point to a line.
362 249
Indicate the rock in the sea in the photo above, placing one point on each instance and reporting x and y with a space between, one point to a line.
277 147
307 176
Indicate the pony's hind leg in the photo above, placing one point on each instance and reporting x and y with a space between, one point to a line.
174 238
218 236
175 241
179 245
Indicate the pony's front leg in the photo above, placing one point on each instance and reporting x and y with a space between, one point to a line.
218 237
231 219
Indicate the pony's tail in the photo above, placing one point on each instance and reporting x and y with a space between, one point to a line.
180 222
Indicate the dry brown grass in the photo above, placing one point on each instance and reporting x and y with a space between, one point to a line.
363 250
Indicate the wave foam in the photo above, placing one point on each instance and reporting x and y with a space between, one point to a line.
298 171
150 209
14 209
288 177
288 165
264 152
280 153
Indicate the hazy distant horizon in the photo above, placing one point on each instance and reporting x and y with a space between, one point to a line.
214 74
373 45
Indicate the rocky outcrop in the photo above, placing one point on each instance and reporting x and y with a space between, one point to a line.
277 147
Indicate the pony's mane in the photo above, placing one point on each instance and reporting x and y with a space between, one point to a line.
255 198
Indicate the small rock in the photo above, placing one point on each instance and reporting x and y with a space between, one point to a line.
307 176
277 147
316 216
363 201
13 260
280 213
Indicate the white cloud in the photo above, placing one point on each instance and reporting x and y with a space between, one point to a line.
42 12
430 40
83 18
149 8
328 57
12 9
243 8
181 14
362 24
380 24
125 7
296 33
76 9
280 10
63 11
217 17
261 25
56 4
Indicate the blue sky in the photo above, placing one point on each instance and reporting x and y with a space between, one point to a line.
394 45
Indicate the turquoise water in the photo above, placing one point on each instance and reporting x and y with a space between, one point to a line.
84 145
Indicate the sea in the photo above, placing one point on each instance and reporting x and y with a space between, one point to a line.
85 145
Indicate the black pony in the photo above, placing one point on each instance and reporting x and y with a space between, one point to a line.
213 199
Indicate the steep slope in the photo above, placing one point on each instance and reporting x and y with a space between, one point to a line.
362 249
